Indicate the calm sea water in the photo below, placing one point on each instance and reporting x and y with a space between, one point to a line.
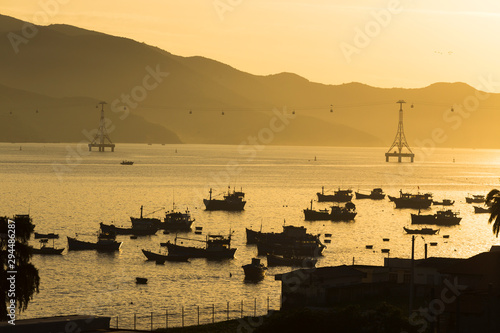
69 191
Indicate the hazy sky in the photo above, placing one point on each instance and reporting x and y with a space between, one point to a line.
390 43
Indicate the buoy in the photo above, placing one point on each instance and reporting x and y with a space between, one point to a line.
140 280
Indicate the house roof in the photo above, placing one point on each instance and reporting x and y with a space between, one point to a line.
331 272
437 262
432 262
486 263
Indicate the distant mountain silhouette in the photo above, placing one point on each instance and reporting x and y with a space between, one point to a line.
30 117
67 70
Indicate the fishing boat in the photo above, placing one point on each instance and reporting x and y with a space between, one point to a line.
106 242
46 236
216 247
481 210
254 271
124 162
337 196
293 261
303 247
143 222
444 202
136 231
442 217
423 231
232 201
46 249
475 198
375 194
177 221
336 213
290 233
163 257
409 200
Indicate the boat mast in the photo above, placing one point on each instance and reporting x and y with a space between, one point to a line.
210 193
141 211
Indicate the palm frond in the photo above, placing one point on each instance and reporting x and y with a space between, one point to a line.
493 201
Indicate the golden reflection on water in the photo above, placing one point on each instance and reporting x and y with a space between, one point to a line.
279 183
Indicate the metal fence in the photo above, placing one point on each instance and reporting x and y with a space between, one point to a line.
195 315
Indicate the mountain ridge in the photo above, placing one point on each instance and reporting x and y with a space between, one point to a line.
189 101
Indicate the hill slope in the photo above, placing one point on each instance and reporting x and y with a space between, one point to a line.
187 95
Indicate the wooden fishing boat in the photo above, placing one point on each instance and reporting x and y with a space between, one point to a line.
216 247
254 271
162 257
422 231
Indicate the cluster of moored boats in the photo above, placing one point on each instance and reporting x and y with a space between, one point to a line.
291 247
347 212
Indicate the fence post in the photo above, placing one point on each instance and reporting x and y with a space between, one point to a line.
255 307
227 310
241 309
213 313
267 304
198 315
116 322
135 320
151 320
166 318
183 316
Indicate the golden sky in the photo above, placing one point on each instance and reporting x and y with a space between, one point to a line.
389 43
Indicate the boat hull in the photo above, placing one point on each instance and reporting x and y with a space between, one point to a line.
254 272
47 251
290 234
423 231
106 228
196 252
333 197
409 203
47 236
224 205
313 215
161 257
444 202
372 196
104 246
432 219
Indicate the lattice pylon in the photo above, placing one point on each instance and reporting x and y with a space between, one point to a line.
102 134
400 140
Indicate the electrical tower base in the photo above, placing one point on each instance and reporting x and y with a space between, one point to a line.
399 156
102 147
